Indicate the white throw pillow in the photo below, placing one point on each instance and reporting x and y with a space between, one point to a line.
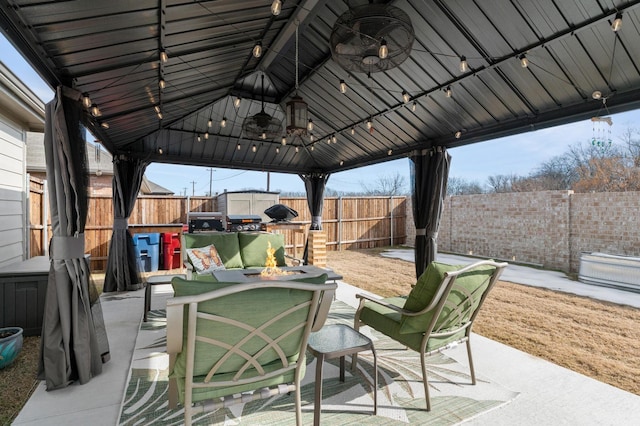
205 259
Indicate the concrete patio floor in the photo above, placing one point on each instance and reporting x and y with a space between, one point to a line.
549 394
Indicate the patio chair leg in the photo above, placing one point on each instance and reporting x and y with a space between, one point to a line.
425 382
471 369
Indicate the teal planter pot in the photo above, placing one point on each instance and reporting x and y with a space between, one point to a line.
10 345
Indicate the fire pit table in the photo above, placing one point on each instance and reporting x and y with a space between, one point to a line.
293 272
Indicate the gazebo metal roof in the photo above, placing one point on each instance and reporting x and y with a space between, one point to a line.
110 50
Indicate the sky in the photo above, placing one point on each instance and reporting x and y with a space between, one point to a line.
520 154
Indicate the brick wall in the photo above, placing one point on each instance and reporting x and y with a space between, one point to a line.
548 228
607 222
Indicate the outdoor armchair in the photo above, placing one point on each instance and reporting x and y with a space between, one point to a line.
239 338
437 314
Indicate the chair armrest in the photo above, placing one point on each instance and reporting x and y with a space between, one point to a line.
188 269
323 309
175 317
294 260
364 297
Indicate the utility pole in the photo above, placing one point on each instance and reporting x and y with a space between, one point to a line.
193 187
184 191
268 181
211 170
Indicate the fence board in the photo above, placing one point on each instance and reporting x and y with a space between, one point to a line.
365 222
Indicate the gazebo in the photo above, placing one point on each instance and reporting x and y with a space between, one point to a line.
307 87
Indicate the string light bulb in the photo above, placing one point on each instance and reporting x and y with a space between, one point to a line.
263 136
86 100
160 151
276 7
95 111
236 101
223 123
383 51
277 150
238 147
341 162
334 138
343 86
448 92
104 125
310 125
161 83
163 56
257 50
390 152
617 22
464 65
369 124
312 147
199 139
405 96
206 135
284 141
414 106
353 130
209 123
254 148
311 137
297 149
458 134
524 62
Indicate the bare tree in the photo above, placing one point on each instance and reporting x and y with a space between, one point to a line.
459 186
502 183
385 185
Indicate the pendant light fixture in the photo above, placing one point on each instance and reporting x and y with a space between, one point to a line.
296 108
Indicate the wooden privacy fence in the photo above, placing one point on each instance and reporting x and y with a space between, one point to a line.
350 222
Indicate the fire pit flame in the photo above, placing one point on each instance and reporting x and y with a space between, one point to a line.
271 266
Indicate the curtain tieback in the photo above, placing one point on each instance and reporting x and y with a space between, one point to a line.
67 248
422 232
120 223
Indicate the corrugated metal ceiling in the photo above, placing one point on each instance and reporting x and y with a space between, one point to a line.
111 51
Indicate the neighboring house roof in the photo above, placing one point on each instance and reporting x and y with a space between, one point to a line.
102 162
18 102
36 159
150 188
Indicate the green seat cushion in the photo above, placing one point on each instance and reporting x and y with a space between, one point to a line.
389 323
226 243
254 307
427 286
253 248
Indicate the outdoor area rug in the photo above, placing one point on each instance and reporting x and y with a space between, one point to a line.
400 390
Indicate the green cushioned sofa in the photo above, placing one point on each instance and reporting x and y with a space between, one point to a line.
237 250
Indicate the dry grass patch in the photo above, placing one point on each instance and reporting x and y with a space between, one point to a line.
598 339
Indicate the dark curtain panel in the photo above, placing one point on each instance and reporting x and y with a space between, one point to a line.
315 184
73 343
429 174
122 270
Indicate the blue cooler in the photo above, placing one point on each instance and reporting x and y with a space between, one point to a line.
147 251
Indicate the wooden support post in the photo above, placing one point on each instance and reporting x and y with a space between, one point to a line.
318 248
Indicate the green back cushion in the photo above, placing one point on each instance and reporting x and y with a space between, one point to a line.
253 248
255 307
427 286
226 244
